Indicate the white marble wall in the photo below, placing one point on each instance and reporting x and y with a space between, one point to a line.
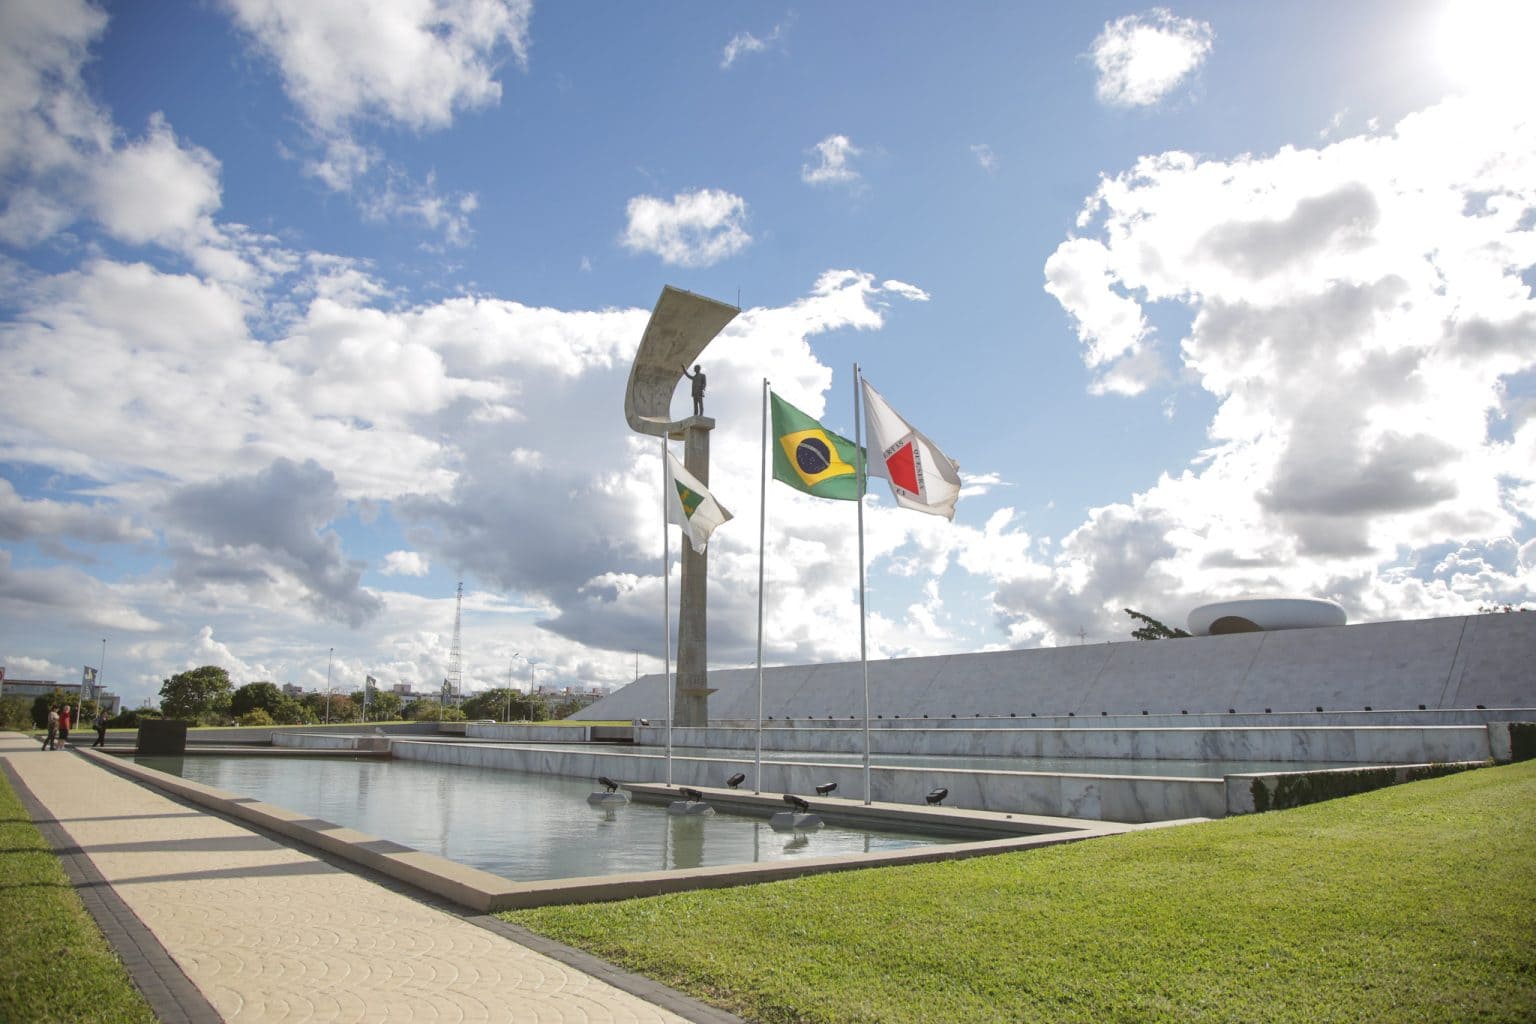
1439 663
325 741
1370 745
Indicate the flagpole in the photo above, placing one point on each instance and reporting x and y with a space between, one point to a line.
858 445
666 603
762 532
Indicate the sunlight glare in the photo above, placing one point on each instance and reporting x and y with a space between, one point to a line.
1486 44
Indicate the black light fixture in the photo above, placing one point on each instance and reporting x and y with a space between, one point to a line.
607 783
690 794
825 788
797 803
736 780
936 797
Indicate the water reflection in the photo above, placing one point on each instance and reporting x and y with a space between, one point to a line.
522 826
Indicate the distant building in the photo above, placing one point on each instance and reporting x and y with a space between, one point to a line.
31 689
293 690
567 695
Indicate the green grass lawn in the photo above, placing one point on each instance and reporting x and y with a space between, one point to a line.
54 963
1416 903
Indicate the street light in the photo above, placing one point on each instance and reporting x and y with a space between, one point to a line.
510 660
328 659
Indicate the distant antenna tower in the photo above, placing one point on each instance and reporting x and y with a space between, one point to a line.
455 682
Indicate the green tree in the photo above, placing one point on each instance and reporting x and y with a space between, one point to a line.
201 695
15 714
1152 629
343 710
130 718
384 707
256 716
288 711
40 706
252 696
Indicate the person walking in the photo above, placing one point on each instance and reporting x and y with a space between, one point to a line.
63 724
101 728
49 741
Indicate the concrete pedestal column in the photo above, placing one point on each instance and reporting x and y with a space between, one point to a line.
691 693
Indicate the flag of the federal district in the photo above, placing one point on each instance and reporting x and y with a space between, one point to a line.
811 458
691 506
921 476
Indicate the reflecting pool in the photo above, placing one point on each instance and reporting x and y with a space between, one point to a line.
518 825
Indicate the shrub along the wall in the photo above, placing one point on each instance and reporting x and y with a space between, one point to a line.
1314 787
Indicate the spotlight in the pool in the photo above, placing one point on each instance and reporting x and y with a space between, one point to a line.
736 780
692 802
825 788
937 796
798 820
610 796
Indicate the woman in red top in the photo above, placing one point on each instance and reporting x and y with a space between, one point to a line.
64 724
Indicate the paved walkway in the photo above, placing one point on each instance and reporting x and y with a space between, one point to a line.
266 932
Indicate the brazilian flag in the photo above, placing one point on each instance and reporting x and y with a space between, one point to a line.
811 458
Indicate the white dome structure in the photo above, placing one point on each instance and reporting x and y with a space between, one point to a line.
1260 614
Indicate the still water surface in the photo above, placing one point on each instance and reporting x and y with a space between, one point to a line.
521 826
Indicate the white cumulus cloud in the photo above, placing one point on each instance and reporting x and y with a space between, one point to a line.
1143 57
833 166
693 229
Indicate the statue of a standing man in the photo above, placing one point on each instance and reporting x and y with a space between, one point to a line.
697 376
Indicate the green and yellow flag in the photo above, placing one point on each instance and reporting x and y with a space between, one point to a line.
811 458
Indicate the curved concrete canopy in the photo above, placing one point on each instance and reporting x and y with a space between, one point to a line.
1254 614
681 325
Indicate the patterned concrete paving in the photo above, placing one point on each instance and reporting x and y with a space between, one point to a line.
266 932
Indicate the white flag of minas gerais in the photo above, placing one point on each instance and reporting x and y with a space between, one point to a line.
921 476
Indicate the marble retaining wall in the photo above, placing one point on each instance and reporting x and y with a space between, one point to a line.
529 733
323 741
1458 663
1119 798
1362 745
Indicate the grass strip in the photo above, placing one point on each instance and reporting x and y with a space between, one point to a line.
1410 904
55 965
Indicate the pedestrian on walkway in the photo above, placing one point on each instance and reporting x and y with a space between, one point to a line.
53 730
64 724
101 728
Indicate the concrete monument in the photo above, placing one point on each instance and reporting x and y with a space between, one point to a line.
681 325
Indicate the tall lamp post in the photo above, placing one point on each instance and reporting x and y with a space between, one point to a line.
328 659
510 660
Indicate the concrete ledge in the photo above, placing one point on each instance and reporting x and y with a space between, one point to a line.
485 892
1119 798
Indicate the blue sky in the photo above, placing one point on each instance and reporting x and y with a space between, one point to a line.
311 308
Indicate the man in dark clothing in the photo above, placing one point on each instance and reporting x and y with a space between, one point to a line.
697 376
